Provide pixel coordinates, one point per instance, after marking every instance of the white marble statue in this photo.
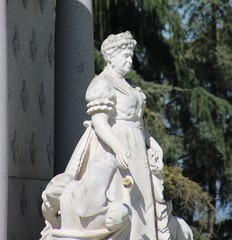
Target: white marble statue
(112, 187)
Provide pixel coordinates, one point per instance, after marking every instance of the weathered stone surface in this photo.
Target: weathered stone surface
(30, 112)
(3, 121)
(24, 208)
(112, 187)
(30, 26)
(74, 71)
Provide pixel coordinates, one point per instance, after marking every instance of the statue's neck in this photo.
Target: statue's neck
(109, 69)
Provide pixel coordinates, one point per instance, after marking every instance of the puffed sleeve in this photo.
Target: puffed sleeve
(100, 96)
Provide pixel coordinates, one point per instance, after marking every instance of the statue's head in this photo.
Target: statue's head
(117, 50)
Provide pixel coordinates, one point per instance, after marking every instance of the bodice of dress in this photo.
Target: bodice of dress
(111, 93)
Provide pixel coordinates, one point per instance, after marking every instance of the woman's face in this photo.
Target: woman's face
(121, 62)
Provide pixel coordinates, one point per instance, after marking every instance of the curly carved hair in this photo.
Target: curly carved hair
(117, 42)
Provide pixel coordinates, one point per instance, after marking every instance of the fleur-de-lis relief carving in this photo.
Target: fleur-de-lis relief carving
(42, 4)
(24, 96)
(40, 201)
(33, 46)
(42, 99)
(23, 200)
(32, 149)
(50, 151)
(14, 148)
(50, 50)
(25, 3)
(15, 43)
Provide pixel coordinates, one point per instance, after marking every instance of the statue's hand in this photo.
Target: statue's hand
(155, 158)
(122, 157)
(153, 144)
(156, 147)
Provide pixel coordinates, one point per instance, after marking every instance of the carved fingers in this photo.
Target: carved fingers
(122, 158)
(155, 158)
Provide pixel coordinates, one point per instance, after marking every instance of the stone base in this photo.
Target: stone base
(65, 234)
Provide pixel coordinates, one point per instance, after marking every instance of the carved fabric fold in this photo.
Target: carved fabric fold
(102, 105)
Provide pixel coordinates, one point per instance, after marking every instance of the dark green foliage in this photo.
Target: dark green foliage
(195, 199)
(183, 63)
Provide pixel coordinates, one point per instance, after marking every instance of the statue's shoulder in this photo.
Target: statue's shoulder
(100, 87)
(101, 79)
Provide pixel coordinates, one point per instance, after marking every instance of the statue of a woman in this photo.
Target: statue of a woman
(89, 200)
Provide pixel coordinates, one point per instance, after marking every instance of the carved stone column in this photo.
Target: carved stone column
(73, 71)
(3, 122)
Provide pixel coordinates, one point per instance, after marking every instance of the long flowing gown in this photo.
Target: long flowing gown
(124, 105)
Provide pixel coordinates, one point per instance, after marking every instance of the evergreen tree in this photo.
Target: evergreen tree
(208, 52)
(183, 64)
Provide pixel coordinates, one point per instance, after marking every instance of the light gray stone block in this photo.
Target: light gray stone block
(30, 99)
(30, 27)
(25, 219)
